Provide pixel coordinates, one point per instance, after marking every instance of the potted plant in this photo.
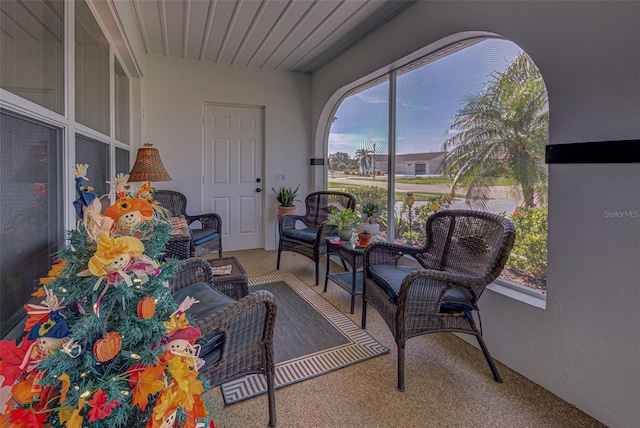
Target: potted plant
(286, 196)
(370, 212)
(364, 238)
(344, 219)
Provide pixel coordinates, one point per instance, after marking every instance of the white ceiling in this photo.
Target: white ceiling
(293, 35)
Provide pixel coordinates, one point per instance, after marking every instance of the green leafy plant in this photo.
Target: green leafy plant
(529, 253)
(343, 219)
(370, 211)
(286, 196)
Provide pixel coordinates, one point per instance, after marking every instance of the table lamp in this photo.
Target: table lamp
(148, 167)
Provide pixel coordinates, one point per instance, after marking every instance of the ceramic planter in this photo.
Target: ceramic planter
(372, 228)
(282, 210)
(345, 234)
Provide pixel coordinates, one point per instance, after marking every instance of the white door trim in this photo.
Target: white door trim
(262, 160)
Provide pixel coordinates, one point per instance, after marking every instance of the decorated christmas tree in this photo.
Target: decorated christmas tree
(107, 346)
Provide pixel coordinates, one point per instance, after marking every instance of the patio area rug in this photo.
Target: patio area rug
(312, 337)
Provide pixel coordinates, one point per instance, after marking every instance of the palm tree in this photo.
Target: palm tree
(501, 131)
(363, 157)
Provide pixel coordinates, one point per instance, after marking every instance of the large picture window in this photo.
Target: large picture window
(92, 71)
(32, 46)
(31, 212)
(40, 41)
(471, 126)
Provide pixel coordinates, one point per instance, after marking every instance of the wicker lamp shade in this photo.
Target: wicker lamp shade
(148, 166)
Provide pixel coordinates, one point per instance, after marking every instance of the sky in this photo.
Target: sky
(427, 99)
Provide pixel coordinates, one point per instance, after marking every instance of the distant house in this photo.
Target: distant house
(412, 163)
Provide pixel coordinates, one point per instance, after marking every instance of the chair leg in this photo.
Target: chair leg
(273, 420)
(363, 323)
(278, 265)
(485, 351)
(317, 270)
(401, 367)
(220, 252)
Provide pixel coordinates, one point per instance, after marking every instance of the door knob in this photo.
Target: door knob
(258, 180)
(258, 190)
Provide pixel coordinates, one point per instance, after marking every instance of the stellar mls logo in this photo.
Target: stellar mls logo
(622, 214)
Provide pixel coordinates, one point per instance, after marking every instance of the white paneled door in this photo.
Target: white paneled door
(233, 173)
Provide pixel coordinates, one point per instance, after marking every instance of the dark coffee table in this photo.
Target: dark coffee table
(234, 285)
(350, 254)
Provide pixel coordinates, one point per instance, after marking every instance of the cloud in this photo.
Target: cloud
(350, 142)
(373, 98)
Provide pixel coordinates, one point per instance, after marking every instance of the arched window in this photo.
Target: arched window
(469, 126)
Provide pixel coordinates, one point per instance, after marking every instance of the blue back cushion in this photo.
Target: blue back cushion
(200, 236)
(389, 278)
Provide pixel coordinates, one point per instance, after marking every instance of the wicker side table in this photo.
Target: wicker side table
(234, 285)
(351, 254)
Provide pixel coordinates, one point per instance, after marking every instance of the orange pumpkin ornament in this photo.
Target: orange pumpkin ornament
(108, 347)
(146, 308)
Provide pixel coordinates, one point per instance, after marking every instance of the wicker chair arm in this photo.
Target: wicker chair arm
(423, 289)
(288, 221)
(245, 323)
(386, 253)
(209, 221)
(193, 270)
(324, 231)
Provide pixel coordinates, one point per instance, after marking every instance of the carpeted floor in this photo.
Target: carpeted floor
(448, 381)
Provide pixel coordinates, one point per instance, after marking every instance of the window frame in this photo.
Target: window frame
(66, 121)
(422, 57)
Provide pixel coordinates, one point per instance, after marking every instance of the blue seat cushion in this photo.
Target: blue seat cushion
(308, 234)
(389, 278)
(200, 236)
(210, 301)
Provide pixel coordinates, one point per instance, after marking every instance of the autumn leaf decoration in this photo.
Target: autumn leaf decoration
(148, 381)
(101, 407)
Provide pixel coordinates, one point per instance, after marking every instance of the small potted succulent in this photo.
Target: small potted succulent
(286, 196)
(370, 212)
(344, 219)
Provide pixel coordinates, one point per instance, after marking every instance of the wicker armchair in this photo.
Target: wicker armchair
(310, 241)
(464, 252)
(204, 240)
(237, 335)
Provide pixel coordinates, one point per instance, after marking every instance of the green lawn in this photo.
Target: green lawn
(425, 180)
(399, 196)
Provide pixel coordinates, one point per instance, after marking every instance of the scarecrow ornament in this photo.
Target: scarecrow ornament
(181, 337)
(86, 195)
(114, 259)
(51, 333)
(130, 215)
